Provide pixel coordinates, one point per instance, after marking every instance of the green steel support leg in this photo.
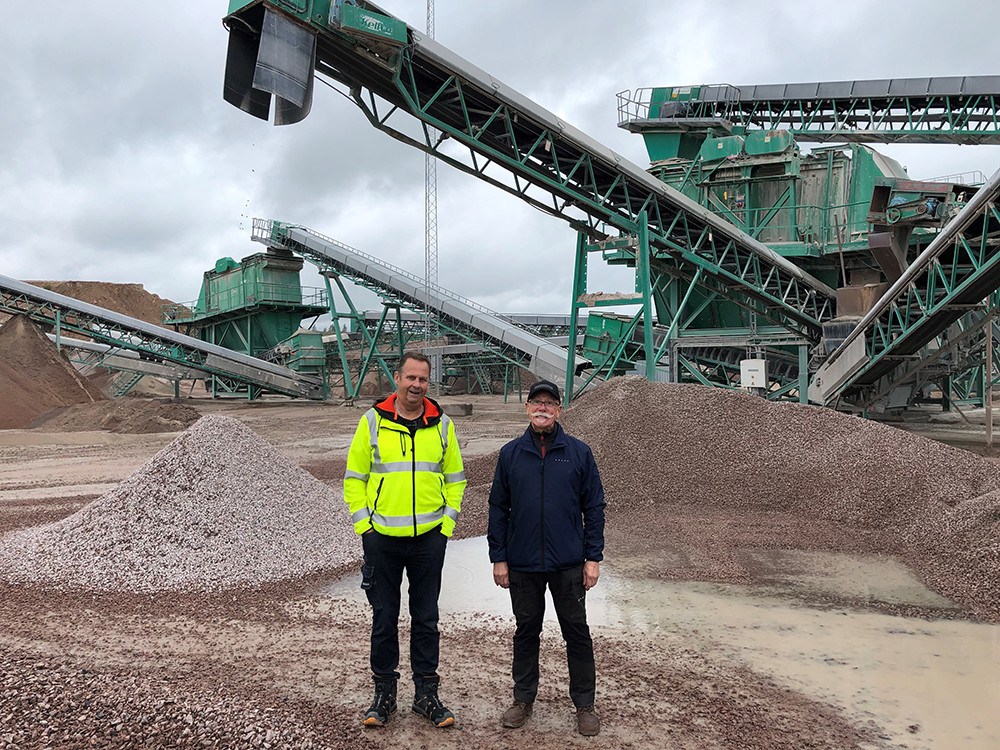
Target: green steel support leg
(520, 395)
(803, 374)
(506, 378)
(59, 331)
(364, 332)
(946, 393)
(647, 296)
(672, 331)
(373, 351)
(579, 288)
(177, 389)
(399, 332)
(348, 387)
(826, 211)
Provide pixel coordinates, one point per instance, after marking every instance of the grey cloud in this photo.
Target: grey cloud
(120, 160)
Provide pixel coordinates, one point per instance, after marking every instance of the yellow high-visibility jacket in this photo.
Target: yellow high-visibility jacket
(404, 484)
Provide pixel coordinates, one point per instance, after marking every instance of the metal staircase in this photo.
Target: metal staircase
(123, 382)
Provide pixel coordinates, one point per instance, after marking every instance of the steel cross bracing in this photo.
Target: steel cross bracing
(455, 314)
(231, 369)
(720, 366)
(493, 132)
(960, 110)
(956, 355)
(958, 272)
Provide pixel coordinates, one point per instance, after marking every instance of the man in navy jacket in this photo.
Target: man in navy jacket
(547, 529)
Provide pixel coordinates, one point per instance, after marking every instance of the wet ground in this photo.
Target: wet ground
(808, 649)
(928, 683)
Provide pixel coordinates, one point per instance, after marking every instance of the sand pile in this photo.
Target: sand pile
(134, 416)
(34, 377)
(218, 508)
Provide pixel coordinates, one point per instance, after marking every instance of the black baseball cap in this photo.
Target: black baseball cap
(546, 386)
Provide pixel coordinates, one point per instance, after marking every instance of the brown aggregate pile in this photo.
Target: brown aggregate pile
(35, 377)
(218, 508)
(134, 416)
(714, 470)
(684, 445)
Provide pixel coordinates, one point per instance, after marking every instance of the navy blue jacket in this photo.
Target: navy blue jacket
(546, 515)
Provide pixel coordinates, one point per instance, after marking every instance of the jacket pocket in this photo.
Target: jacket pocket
(369, 587)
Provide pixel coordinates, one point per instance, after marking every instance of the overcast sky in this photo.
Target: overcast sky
(120, 161)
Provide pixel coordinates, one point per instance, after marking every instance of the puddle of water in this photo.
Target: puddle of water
(870, 578)
(940, 677)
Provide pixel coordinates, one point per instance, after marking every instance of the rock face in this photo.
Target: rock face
(218, 508)
(34, 377)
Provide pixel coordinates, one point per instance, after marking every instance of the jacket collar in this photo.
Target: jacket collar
(432, 411)
(558, 439)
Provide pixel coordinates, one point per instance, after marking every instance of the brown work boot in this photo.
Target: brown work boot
(587, 722)
(517, 715)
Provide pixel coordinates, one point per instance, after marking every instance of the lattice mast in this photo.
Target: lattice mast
(431, 224)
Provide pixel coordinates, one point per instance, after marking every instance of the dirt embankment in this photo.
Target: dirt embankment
(130, 416)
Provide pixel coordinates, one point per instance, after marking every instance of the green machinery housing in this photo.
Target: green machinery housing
(744, 246)
(257, 307)
(843, 212)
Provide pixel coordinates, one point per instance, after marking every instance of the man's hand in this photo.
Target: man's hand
(591, 572)
(501, 576)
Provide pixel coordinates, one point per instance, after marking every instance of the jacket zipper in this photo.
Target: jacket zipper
(541, 511)
(413, 474)
(378, 491)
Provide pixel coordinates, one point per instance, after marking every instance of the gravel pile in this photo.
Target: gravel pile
(660, 445)
(687, 444)
(218, 508)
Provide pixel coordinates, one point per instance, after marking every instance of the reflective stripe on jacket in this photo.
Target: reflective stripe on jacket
(402, 484)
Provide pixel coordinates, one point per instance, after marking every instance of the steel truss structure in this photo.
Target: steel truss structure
(231, 371)
(496, 134)
(424, 95)
(960, 110)
(457, 316)
(958, 273)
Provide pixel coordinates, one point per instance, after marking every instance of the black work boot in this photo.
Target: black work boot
(426, 703)
(384, 704)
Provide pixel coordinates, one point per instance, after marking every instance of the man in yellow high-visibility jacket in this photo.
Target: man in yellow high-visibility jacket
(404, 485)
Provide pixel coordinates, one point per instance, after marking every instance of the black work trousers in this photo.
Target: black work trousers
(527, 598)
(386, 557)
